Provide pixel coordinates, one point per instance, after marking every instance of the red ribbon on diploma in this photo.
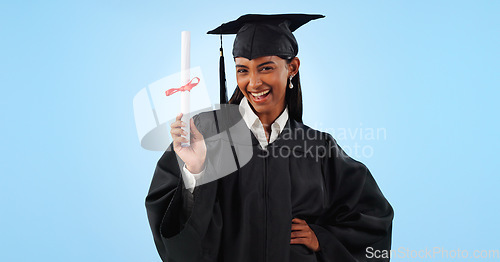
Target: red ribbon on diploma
(186, 87)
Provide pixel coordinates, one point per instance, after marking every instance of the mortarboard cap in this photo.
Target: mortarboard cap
(261, 35)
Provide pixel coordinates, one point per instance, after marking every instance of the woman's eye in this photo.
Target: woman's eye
(267, 68)
(241, 71)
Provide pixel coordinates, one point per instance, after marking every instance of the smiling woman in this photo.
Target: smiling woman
(263, 81)
(290, 75)
(287, 196)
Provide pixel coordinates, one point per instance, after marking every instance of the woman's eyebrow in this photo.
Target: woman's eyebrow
(265, 63)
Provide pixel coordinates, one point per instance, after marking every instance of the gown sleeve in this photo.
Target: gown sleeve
(186, 226)
(358, 215)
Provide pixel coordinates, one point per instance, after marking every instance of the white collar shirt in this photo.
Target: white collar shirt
(254, 124)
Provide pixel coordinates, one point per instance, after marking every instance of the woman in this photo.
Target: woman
(289, 193)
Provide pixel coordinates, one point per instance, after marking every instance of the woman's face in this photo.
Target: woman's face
(263, 81)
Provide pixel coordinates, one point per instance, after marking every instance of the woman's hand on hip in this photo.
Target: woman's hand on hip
(303, 234)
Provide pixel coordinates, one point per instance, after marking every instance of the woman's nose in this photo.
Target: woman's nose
(254, 81)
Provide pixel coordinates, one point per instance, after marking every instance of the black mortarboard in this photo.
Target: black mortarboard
(261, 35)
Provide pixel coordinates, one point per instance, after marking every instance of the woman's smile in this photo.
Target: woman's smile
(260, 97)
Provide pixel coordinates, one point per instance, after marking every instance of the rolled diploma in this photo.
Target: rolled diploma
(185, 76)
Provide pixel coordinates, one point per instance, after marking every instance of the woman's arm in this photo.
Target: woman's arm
(185, 225)
(358, 215)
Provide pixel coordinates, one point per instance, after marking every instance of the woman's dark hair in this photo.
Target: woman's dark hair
(293, 97)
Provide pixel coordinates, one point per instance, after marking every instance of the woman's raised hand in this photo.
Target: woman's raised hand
(194, 156)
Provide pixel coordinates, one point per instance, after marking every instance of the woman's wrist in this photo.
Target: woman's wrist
(195, 169)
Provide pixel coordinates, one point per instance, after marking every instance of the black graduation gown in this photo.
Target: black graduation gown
(246, 215)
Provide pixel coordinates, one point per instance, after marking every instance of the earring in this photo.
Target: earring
(291, 85)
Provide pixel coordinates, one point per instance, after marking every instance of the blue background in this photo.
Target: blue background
(73, 174)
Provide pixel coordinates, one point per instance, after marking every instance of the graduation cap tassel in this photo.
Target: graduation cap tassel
(222, 76)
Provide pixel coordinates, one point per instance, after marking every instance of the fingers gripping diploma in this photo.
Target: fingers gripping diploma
(303, 234)
(193, 156)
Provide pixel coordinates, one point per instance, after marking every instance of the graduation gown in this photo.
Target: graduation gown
(246, 215)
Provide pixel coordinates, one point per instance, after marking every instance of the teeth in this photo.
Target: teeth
(260, 94)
